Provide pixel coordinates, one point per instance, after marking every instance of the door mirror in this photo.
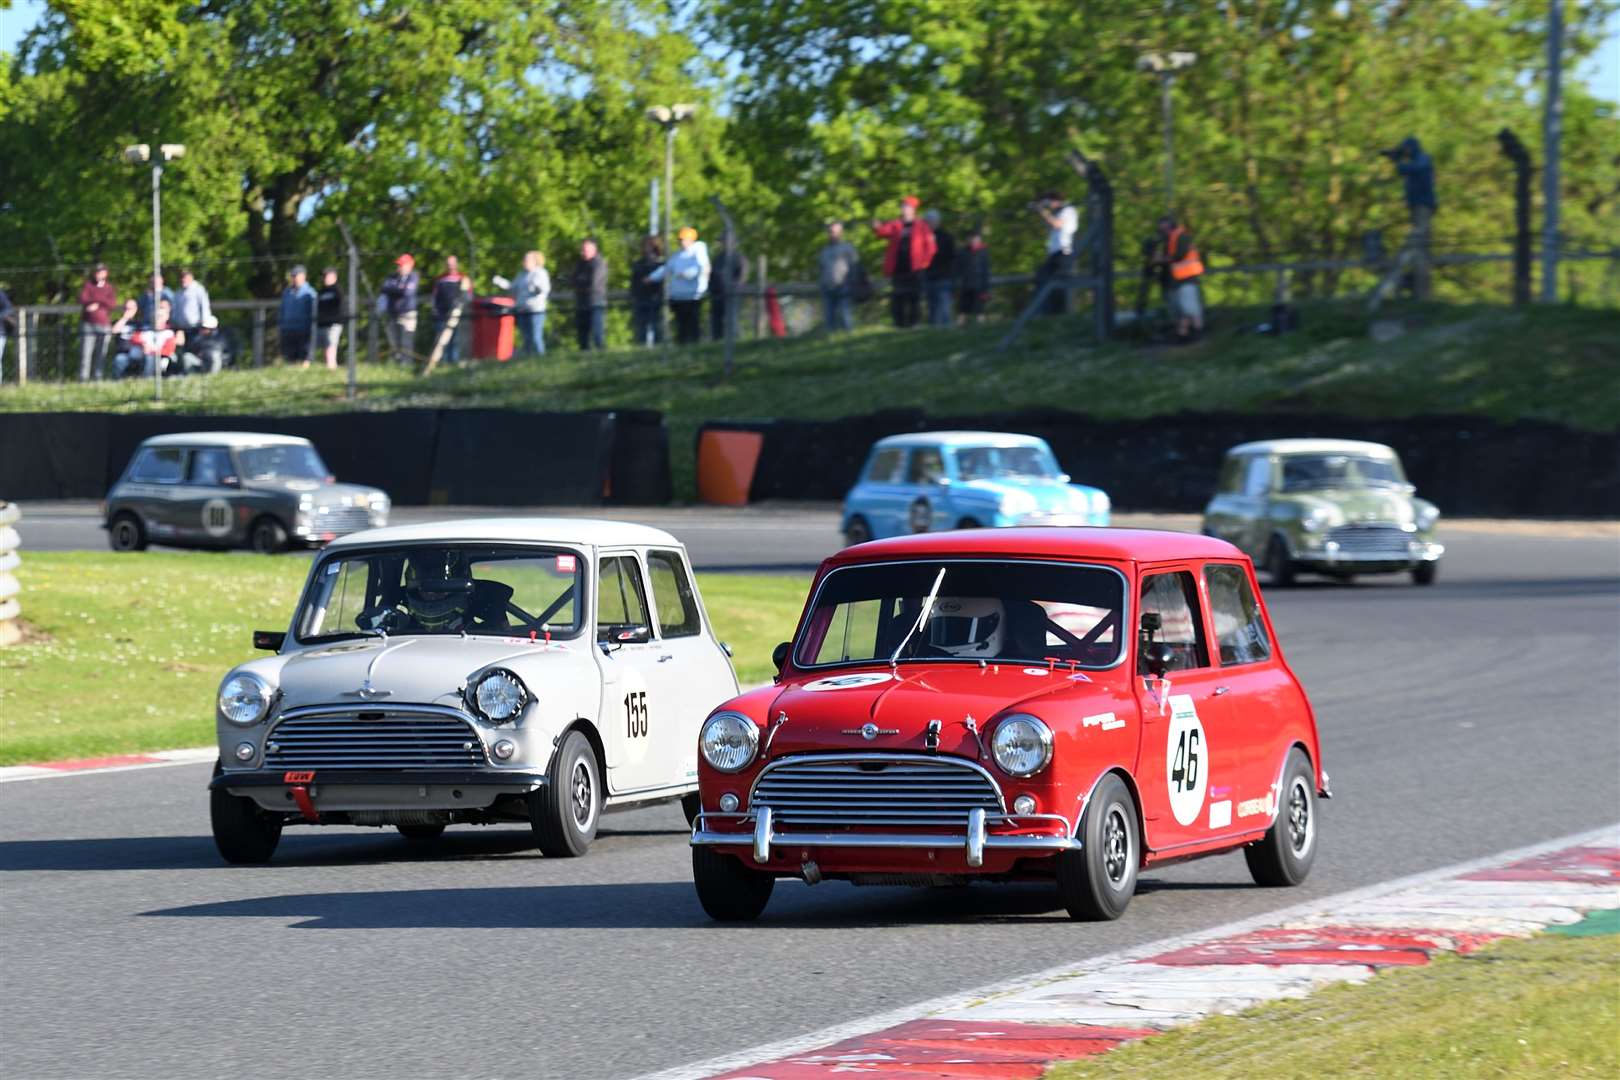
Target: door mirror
(230, 481)
(625, 634)
(269, 640)
(779, 655)
(1158, 657)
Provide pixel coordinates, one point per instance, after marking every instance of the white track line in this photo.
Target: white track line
(840, 1032)
(12, 774)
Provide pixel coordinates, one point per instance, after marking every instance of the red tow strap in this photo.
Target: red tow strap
(298, 784)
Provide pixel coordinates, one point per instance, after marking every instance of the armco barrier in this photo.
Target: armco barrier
(418, 456)
(1467, 465)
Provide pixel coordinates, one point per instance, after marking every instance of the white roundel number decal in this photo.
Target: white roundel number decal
(216, 517)
(1186, 758)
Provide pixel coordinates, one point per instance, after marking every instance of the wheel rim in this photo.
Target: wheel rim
(261, 539)
(1116, 846)
(1301, 822)
(582, 795)
(124, 533)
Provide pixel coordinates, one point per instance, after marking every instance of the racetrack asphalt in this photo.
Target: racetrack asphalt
(1457, 721)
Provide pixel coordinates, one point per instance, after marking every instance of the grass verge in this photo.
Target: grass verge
(1543, 1006)
(1545, 363)
(125, 652)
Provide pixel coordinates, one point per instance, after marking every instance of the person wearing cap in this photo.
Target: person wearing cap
(688, 272)
(329, 316)
(295, 322)
(911, 249)
(398, 303)
(98, 302)
(589, 282)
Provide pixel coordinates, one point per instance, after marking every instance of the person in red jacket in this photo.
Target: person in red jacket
(911, 249)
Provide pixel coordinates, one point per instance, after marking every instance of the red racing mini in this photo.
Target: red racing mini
(1072, 704)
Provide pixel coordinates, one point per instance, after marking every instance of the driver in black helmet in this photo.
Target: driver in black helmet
(438, 591)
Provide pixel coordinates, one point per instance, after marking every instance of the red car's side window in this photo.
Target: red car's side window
(1174, 598)
(1240, 632)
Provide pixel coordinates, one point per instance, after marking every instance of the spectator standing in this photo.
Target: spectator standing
(295, 322)
(398, 303)
(191, 307)
(590, 295)
(838, 265)
(329, 316)
(531, 292)
(911, 249)
(1416, 169)
(646, 295)
(688, 271)
(7, 318)
(1184, 266)
(98, 301)
(451, 292)
(940, 277)
(143, 305)
(975, 281)
(729, 270)
(1062, 222)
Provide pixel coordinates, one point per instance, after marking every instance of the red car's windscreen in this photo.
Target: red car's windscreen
(997, 611)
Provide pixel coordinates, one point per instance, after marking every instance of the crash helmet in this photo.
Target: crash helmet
(438, 588)
(967, 626)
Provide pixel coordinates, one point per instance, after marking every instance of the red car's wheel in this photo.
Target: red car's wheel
(728, 890)
(1098, 881)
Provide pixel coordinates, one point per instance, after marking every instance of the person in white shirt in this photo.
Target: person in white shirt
(531, 290)
(1062, 221)
(688, 271)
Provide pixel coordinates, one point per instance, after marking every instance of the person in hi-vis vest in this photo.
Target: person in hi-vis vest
(1184, 268)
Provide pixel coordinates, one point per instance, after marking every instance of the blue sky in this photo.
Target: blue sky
(1602, 70)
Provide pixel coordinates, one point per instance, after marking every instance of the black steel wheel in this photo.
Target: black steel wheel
(1424, 573)
(857, 532)
(126, 533)
(1279, 567)
(564, 813)
(243, 833)
(1097, 882)
(1285, 854)
(268, 536)
(728, 890)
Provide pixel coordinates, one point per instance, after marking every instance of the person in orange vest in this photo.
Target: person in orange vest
(1183, 268)
(911, 250)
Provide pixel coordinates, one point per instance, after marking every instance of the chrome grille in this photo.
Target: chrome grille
(373, 739)
(340, 519)
(1388, 541)
(874, 789)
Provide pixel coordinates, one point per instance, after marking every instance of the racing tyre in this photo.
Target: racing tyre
(857, 532)
(728, 890)
(920, 516)
(268, 536)
(565, 812)
(691, 806)
(1097, 882)
(1279, 567)
(1284, 855)
(243, 833)
(1424, 573)
(420, 835)
(126, 533)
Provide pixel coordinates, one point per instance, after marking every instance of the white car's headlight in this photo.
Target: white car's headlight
(498, 696)
(1317, 518)
(244, 698)
(1426, 514)
(729, 741)
(1099, 502)
(1019, 502)
(1022, 745)
(379, 505)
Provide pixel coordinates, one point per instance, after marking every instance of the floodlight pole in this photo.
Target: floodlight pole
(157, 263)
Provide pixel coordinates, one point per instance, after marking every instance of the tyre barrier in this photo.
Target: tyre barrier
(10, 606)
(1468, 466)
(419, 456)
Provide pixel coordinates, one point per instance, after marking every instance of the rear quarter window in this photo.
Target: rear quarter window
(159, 465)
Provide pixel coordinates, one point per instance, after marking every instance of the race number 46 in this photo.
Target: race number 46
(635, 714)
(1186, 757)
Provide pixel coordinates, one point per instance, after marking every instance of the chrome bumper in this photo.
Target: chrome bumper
(1331, 555)
(973, 841)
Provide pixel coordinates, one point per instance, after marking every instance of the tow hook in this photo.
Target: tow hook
(298, 784)
(810, 872)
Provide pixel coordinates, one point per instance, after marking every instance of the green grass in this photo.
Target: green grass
(125, 652)
(1547, 363)
(1545, 1006)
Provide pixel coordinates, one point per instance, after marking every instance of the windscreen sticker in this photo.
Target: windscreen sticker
(1037, 671)
(1186, 755)
(848, 682)
(565, 564)
(333, 567)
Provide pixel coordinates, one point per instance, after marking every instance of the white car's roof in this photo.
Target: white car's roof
(1313, 446)
(961, 438)
(225, 438)
(572, 532)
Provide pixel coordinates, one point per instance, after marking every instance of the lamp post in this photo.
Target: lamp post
(141, 154)
(669, 117)
(1165, 66)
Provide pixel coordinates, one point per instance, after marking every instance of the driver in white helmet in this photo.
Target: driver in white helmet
(971, 627)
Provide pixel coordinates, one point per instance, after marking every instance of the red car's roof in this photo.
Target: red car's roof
(1067, 542)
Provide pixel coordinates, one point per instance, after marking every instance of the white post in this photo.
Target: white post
(1552, 130)
(22, 346)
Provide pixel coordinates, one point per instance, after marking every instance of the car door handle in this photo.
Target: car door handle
(666, 656)
(1219, 690)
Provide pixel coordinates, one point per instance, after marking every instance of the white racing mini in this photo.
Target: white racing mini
(479, 671)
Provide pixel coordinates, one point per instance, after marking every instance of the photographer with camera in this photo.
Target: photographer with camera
(1416, 170)
(1062, 221)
